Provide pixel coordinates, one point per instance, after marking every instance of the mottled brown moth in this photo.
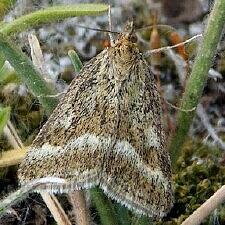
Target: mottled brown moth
(107, 131)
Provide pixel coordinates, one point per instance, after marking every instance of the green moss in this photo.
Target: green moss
(200, 174)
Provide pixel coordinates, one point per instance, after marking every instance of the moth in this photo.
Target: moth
(107, 131)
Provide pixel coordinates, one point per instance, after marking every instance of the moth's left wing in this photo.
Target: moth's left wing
(69, 144)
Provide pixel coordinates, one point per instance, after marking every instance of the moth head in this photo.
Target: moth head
(128, 37)
(125, 50)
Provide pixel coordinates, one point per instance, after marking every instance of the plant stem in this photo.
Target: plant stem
(198, 77)
(51, 14)
(12, 137)
(55, 208)
(201, 213)
(104, 206)
(77, 199)
(122, 214)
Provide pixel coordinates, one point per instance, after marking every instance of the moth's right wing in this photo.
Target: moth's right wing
(69, 145)
(137, 169)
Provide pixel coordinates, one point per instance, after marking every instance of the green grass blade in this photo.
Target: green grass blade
(77, 64)
(105, 207)
(51, 14)
(122, 214)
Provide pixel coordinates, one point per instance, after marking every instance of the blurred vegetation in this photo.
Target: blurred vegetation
(200, 169)
(5, 6)
(4, 116)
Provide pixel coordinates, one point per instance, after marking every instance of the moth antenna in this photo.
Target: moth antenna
(96, 29)
(130, 28)
(112, 41)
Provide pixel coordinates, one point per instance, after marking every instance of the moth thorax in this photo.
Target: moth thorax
(123, 57)
(125, 53)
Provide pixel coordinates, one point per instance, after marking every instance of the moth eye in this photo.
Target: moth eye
(133, 38)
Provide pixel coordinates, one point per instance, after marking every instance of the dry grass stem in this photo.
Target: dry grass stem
(55, 209)
(12, 157)
(206, 208)
(10, 133)
(148, 53)
(77, 199)
(110, 26)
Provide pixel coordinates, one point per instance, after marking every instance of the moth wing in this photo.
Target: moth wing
(68, 145)
(137, 170)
